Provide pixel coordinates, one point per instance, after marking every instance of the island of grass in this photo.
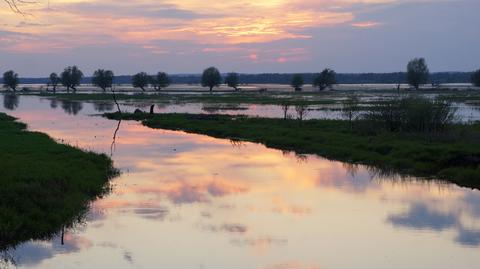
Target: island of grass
(453, 156)
(44, 186)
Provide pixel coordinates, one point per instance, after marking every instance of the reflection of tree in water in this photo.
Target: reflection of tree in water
(103, 106)
(71, 107)
(114, 140)
(237, 143)
(301, 158)
(10, 101)
(53, 103)
(210, 109)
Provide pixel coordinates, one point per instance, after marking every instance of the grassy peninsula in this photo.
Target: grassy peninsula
(452, 156)
(44, 185)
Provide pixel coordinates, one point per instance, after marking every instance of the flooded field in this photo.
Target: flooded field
(191, 201)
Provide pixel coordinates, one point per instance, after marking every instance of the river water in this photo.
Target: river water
(190, 201)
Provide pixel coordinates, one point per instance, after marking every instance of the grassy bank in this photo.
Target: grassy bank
(44, 185)
(453, 156)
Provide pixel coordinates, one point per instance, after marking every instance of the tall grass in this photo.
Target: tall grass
(412, 114)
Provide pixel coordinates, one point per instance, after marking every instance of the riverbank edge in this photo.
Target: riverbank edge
(453, 160)
(45, 186)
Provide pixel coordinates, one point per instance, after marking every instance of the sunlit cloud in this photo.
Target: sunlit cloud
(365, 24)
(66, 24)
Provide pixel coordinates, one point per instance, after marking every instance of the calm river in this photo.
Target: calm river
(188, 201)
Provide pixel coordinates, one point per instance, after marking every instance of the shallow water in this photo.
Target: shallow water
(191, 201)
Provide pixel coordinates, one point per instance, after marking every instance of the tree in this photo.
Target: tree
(476, 78)
(325, 79)
(232, 80)
(351, 109)
(211, 78)
(285, 106)
(54, 80)
(302, 111)
(297, 82)
(10, 80)
(417, 72)
(71, 77)
(161, 80)
(103, 79)
(140, 80)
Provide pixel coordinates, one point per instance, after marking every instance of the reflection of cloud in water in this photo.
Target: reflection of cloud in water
(185, 192)
(293, 265)
(152, 213)
(34, 252)
(226, 227)
(420, 216)
(260, 242)
(468, 237)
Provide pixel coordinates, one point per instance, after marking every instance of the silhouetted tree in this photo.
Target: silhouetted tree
(140, 80)
(54, 79)
(232, 80)
(71, 77)
(285, 106)
(302, 111)
(10, 80)
(325, 79)
(211, 78)
(103, 79)
(297, 82)
(160, 81)
(476, 78)
(417, 72)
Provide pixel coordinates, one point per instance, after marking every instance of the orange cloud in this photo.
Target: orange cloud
(72, 23)
(365, 24)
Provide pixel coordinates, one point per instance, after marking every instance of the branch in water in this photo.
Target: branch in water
(14, 5)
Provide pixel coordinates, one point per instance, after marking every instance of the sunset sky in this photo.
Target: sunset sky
(185, 36)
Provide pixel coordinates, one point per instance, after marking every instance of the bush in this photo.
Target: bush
(412, 114)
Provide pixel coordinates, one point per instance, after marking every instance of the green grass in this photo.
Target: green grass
(454, 156)
(44, 185)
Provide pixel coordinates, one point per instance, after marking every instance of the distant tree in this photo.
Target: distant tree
(54, 80)
(285, 106)
(103, 79)
(351, 109)
(232, 80)
(211, 78)
(417, 72)
(140, 80)
(302, 111)
(10, 80)
(160, 81)
(71, 77)
(297, 82)
(325, 79)
(476, 78)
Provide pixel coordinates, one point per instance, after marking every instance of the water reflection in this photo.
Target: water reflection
(103, 106)
(191, 195)
(10, 101)
(71, 107)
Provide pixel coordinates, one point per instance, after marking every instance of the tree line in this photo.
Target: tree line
(417, 74)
